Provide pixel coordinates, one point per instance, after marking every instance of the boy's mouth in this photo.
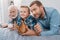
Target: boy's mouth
(13, 15)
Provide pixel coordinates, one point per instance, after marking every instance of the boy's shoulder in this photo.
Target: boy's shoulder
(31, 21)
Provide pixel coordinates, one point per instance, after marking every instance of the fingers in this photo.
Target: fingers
(11, 27)
(37, 28)
(4, 25)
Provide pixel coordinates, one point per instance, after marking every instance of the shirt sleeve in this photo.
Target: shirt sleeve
(54, 24)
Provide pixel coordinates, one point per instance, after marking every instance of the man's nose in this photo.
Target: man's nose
(34, 12)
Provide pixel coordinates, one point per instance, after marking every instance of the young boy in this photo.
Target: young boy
(27, 19)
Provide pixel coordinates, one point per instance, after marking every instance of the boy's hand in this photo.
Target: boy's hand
(29, 32)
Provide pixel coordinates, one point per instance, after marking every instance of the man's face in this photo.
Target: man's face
(36, 11)
(13, 12)
(24, 12)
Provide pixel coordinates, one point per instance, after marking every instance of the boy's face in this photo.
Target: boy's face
(24, 13)
(13, 12)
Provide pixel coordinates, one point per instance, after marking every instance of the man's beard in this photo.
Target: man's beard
(38, 15)
(14, 16)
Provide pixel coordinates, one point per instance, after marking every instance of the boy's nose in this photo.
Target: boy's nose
(22, 14)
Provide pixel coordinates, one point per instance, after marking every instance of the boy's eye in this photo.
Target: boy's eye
(21, 11)
(24, 11)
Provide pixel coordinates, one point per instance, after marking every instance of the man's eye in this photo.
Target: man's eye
(10, 12)
(13, 11)
(34, 9)
(24, 11)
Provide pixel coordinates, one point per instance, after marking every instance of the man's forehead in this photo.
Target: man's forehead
(33, 6)
(12, 9)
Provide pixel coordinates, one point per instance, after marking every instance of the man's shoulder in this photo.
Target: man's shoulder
(50, 9)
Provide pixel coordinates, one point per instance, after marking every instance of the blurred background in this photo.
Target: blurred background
(4, 4)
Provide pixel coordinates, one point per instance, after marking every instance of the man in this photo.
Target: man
(13, 12)
(13, 16)
(47, 18)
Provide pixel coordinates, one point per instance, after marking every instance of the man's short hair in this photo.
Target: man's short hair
(26, 7)
(36, 2)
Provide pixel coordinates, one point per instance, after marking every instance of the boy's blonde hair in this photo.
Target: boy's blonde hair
(26, 7)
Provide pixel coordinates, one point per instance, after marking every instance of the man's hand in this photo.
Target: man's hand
(4, 25)
(11, 27)
(37, 28)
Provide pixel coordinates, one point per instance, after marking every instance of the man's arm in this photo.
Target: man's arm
(54, 24)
